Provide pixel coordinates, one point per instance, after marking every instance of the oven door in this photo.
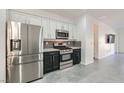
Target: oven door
(66, 57)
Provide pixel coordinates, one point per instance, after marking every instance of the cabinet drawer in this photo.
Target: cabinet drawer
(52, 53)
(77, 50)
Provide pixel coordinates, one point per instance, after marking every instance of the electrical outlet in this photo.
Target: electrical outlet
(47, 43)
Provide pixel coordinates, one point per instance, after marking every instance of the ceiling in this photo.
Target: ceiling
(112, 17)
(70, 13)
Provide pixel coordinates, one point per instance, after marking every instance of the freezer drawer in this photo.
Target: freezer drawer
(16, 60)
(24, 72)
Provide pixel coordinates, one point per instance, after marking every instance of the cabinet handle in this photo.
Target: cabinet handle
(51, 53)
(53, 58)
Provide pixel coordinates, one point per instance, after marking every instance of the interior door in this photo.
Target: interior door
(34, 39)
(95, 38)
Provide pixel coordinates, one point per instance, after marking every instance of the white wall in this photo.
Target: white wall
(90, 40)
(120, 40)
(81, 28)
(95, 38)
(85, 25)
(105, 49)
(2, 45)
(85, 35)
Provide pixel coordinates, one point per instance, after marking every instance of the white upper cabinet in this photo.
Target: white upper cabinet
(34, 20)
(75, 32)
(25, 18)
(58, 25)
(70, 31)
(53, 27)
(65, 26)
(62, 25)
(49, 28)
(45, 24)
(18, 17)
(49, 25)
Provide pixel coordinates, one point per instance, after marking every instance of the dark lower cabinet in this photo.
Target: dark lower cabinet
(47, 65)
(56, 62)
(76, 56)
(51, 61)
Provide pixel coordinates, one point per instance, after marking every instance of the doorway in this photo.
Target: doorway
(95, 40)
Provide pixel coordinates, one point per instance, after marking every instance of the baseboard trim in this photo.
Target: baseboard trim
(83, 63)
(105, 56)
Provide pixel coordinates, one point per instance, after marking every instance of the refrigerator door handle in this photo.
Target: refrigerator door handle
(42, 39)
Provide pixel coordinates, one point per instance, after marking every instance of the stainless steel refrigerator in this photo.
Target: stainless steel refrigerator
(24, 52)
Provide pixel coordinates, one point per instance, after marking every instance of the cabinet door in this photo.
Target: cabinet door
(47, 63)
(46, 26)
(58, 25)
(34, 20)
(75, 32)
(76, 56)
(71, 31)
(18, 17)
(52, 31)
(56, 62)
(65, 26)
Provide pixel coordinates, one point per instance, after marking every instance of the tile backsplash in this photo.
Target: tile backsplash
(49, 44)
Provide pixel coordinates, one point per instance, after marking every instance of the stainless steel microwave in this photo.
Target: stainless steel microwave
(62, 34)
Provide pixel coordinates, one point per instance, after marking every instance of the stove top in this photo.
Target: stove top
(64, 49)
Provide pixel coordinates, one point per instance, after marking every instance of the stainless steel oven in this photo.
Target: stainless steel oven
(62, 34)
(65, 57)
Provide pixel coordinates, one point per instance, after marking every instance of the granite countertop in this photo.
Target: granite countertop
(75, 47)
(50, 49)
(53, 49)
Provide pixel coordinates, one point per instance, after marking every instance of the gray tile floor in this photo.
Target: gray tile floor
(107, 70)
